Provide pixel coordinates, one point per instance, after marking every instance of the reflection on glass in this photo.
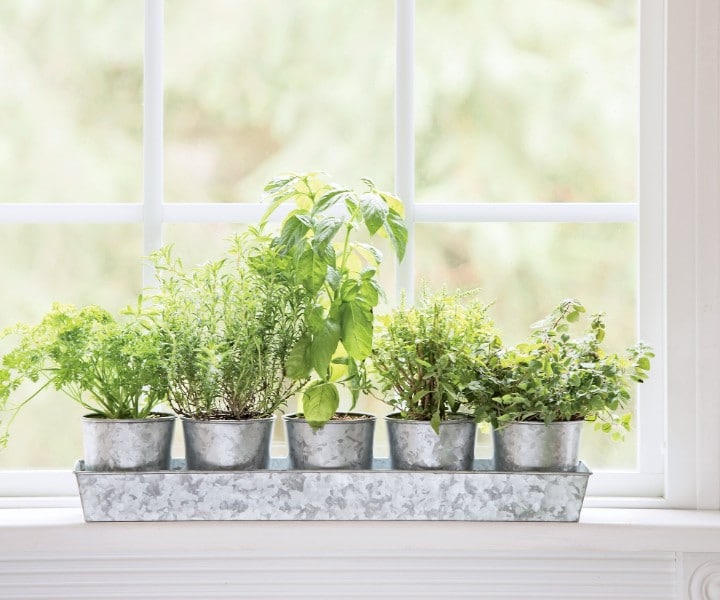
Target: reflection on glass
(72, 101)
(265, 88)
(526, 269)
(526, 101)
(77, 264)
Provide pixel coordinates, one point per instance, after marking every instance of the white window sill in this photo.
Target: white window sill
(599, 529)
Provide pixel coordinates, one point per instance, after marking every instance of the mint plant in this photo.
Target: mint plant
(319, 239)
(557, 377)
(427, 356)
(227, 328)
(111, 368)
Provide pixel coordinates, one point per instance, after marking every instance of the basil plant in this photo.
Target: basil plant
(321, 238)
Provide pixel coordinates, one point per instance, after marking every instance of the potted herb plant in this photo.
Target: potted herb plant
(426, 358)
(227, 328)
(111, 368)
(547, 387)
(320, 237)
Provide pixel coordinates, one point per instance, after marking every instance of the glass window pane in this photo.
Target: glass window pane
(526, 101)
(75, 264)
(72, 114)
(527, 269)
(265, 88)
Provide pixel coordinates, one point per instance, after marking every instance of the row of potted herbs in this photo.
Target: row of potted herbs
(291, 313)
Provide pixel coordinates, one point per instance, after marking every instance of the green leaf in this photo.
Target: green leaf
(369, 252)
(316, 318)
(323, 346)
(374, 211)
(294, 229)
(299, 363)
(397, 233)
(356, 330)
(320, 402)
(368, 294)
(573, 316)
(327, 254)
(328, 199)
(333, 278)
(353, 378)
(393, 202)
(644, 363)
(278, 183)
(312, 270)
(435, 422)
(326, 230)
(349, 290)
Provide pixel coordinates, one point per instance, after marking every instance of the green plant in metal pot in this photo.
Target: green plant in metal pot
(110, 367)
(226, 331)
(426, 358)
(320, 237)
(555, 378)
(227, 328)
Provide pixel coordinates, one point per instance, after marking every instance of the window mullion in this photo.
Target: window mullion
(405, 134)
(532, 212)
(152, 133)
(76, 212)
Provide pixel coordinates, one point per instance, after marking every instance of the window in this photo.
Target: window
(446, 101)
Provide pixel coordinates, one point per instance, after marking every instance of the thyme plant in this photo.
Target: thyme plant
(557, 377)
(427, 356)
(319, 239)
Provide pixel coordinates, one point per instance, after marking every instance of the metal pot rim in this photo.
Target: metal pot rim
(541, 423)
(159, 418)
(457, 419)
(364, 418)
(185, 419)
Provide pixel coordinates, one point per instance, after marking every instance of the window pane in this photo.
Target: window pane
(526, 269)
(72, 101)
(267, 87)
(71, 264)
(526, 101)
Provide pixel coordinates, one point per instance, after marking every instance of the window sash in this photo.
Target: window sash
(648, 213)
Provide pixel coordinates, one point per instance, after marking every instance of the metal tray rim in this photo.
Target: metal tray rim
(380, 465)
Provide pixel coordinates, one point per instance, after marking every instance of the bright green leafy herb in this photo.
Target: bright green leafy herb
(427, 357)
(227, 330)
(112, 368)
(556, 377)
(318, 238)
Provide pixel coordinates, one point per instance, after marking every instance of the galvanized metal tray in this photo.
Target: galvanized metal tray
(378, 494)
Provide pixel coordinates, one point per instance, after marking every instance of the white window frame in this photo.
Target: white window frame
(676, 213)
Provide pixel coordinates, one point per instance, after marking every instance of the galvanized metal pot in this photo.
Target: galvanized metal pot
(531, 446)
(225, 445)
(415, 445)
(339, 444)
(127, 444)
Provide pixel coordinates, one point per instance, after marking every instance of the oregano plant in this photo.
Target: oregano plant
(555, 376)
(319, 236)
